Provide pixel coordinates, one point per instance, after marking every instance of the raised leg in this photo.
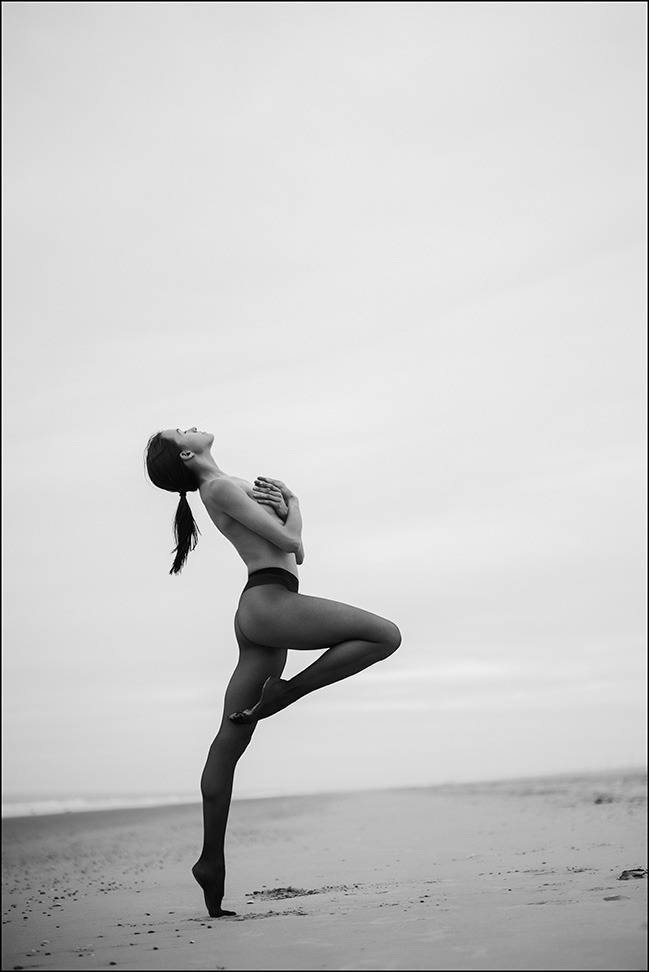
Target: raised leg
(255, 666)
(357, 638)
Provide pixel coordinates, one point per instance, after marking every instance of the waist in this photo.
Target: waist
(273, 575)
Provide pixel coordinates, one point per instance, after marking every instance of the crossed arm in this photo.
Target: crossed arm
(269, 493)
(284, 532)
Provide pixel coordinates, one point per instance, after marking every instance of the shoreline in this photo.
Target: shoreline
(48, 805)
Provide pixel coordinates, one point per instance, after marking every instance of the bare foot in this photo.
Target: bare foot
(212, 881)
(274, 697)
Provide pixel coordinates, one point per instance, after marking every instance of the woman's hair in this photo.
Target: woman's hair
(167, 471)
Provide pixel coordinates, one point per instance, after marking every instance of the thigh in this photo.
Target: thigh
(281, 619)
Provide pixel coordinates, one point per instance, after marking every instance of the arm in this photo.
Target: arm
(286, 505)
(232, 500)
(266, 493)
(299, 556)
(294, 522)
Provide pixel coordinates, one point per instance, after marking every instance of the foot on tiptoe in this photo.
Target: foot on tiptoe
(212, 881)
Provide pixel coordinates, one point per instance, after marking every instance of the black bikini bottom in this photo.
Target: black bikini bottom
(273, 575)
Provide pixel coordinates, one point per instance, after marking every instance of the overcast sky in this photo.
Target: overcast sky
(392, 253)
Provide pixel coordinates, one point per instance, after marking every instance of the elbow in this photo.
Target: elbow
(293, 546)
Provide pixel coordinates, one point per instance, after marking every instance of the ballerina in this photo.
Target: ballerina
(264, 524)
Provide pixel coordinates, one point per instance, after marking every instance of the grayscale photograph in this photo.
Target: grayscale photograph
(324, 483)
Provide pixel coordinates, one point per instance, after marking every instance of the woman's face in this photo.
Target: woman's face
(190, 440)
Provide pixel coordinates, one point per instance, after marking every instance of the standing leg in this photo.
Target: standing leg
(255, 666)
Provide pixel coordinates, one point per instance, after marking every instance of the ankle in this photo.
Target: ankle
(211, 865)
(292, 691)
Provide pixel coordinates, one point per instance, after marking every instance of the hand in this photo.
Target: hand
(268, 494)
(287, 493)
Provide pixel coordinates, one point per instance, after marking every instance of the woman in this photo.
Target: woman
(264, 524)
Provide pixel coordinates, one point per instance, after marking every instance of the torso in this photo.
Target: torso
(255, 551)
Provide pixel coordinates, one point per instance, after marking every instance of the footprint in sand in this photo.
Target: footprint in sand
(290, 892)
(268, 914)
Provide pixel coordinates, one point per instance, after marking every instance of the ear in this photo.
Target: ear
(186, 455)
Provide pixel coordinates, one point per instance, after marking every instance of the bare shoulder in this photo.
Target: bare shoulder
(218, 489)
(223, 492)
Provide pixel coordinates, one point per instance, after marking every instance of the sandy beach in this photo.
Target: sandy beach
(518, 875)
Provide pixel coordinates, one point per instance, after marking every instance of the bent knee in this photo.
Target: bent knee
(391, 638)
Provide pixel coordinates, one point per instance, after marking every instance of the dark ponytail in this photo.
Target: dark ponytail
(185, 534)
(167, 471)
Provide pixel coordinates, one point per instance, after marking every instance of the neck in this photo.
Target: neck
(205, 469)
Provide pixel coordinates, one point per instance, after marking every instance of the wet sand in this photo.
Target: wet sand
(512, 875)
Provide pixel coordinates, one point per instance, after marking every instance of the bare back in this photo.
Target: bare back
(255, 551)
